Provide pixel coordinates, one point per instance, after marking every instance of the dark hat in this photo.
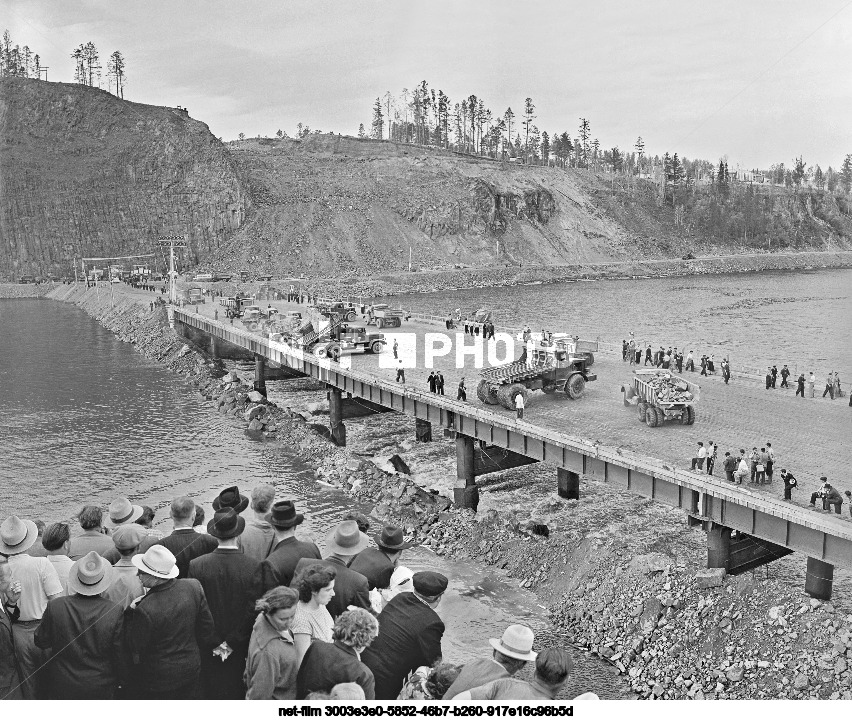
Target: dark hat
(392, 539)
(283, 515)
(429, 583)
(226, 524)
(823, 478)
(231, 498)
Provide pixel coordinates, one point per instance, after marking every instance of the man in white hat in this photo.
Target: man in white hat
(553, 666)
(39, 583)
(124, 513)
(82, 634)
(168, 630)
(511, 653)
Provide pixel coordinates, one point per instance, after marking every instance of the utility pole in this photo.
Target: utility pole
(173, 241)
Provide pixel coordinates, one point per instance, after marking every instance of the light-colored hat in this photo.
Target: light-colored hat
(128, 536)
(400, 579)
(17, 535)
(517, 642)
(123, 511)
(157, 561)
(91, 575)
(346, 539)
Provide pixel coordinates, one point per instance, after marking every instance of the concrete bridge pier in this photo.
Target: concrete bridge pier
(260, 374)
(214, 347)
(465, 492)
(423, 430)
(719, 547)
(335, 416)
(568, 484)
(819, 579)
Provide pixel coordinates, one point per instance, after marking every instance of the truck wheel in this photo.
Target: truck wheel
(690, 410)
(395, 323)
(251, 326)
(334, 352)
(376, 346)
(484, 392)
(321, 352)
(651, 418)
(350, 316)
(590, 359)
(575, 386)
(643, 409)
(380, 322)
(506, 395)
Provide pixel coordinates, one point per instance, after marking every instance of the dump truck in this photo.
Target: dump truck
(337, 309)
(382, 316)
(196, 295)
(236, 305)
(572, 343)
(334, 339)
(550, 368)
(661, 396)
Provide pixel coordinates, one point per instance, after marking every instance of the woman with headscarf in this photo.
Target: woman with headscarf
(272, 661)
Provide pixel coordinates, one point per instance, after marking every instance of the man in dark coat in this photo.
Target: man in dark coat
(278, 568)
(377, 564)
(228, 578)
(410, 634)
(350, 587)
(439, 383)
(185, 543)
(432, 382)
(10, 593)
(82, 634)
(167, 630)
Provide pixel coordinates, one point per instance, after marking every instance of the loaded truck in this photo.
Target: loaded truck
(661, 396)
(337, 309)
(383, 317)
(551, 368)
(334, 339)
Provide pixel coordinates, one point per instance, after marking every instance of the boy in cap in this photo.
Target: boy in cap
(410, 633)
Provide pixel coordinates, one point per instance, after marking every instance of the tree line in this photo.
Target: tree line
(17, 61)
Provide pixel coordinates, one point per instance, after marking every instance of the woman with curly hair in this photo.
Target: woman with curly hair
(312, 621)
(272, 664)
(327, 664)
(429, 683)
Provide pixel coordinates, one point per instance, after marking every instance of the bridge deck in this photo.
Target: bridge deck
(598, 436)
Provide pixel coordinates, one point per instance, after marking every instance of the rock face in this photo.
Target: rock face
(87, 173)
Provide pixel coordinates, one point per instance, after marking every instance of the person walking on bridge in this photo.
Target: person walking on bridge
(631, 350)
(742, 468)
(690, 362)
(439, 383)
(400, 373)
(462, 394)
(648, 355)
(519, 406)
(432, 383)
(811, 384)
(829, 386)
(800, 385)
(785, 374)
(789, 484)
(730, 466)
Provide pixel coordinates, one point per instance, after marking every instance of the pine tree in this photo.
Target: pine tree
(585, 134)
(617, 160)
(545, 147)
(508, 117)
(377, 128)
(280, 133)
(361, 132)
(529, 116)
(819, 178)
(846, 173)
(242, 136)
(115, 69)
(640, 151)
(799, 171)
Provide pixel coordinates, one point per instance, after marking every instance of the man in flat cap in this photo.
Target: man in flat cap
(410, 633)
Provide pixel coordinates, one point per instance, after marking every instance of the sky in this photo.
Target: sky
(758, 82)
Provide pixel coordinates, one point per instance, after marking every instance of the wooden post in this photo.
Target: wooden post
(568, 484)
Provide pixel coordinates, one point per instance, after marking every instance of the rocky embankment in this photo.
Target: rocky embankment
(25, 290)
(623, 577)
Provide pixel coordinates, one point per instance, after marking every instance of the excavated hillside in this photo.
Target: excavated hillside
(85, 174)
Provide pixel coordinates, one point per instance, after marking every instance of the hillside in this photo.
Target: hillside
(85, 173)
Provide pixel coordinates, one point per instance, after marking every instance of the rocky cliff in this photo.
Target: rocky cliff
(85, 174)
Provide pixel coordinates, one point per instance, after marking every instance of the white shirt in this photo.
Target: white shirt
(38, 580)
(519, 401)
(743, 467)
(702, 452)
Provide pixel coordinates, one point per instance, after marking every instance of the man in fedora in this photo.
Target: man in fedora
(183, 542)
(39, 584)
(126, 585)
(230, 498)
(553, 666)
(277, 569)
(258, 540)
(377, 564)
(124, 513)
(410, 633)
(342, 544)
(227, 576)
(511, 653)
(167, 630)
(81, 632)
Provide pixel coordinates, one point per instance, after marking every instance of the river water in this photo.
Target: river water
(801, 318)
(84, 417)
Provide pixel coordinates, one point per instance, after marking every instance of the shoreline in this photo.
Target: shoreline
(620, 576)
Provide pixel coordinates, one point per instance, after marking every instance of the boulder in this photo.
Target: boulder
(801, 682)
(735, 674)
(256, 397)
(710, 577)
(649, 563)
(255, 425)
(253, 413)
(183, 351)
(318, 409)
